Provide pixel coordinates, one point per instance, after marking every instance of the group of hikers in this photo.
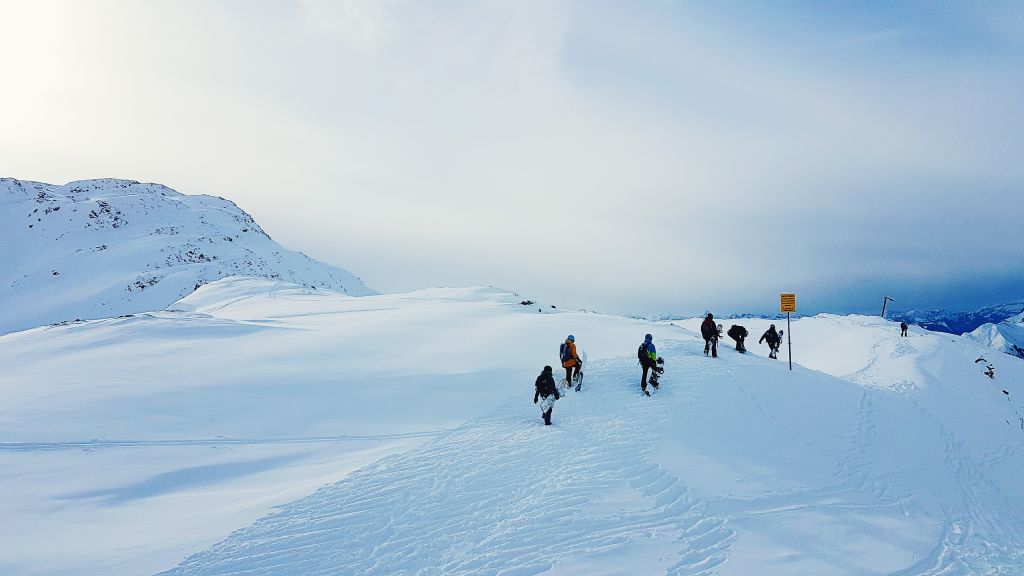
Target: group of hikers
(711, 332)
(547, 390)
(647, 355)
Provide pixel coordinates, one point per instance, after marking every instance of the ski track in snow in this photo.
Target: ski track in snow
(969, 529)
(500, 495)
(966, 544)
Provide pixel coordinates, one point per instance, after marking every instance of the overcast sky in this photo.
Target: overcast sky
(629, 157)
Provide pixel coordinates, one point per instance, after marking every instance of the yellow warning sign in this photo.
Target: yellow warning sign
(788, 302)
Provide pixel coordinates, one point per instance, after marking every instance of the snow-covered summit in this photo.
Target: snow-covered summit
(1006, 336)
(108, 247)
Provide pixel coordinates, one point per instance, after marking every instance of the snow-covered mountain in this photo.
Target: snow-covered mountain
(957, 322)
(300, 431)
(103, 248)
(1006, 336)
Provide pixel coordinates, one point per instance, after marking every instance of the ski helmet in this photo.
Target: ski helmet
(648, 337)
(571, 338)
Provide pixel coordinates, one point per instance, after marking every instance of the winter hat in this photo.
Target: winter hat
(571, 338)
(547, 368)
(648, 337)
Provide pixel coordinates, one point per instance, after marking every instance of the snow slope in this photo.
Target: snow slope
(103, 248)
(1006, 336)
(142, 441)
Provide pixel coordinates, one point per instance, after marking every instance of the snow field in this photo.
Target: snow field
(499, 495)
(412, 414)
(248, 394)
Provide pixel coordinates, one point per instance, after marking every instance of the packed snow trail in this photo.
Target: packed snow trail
(502, 494)
(729, 453)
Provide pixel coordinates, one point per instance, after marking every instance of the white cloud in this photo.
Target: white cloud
(603, 155)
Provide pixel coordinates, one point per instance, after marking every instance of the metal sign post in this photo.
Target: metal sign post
(789, 340)
(788, 304)
(885, 301)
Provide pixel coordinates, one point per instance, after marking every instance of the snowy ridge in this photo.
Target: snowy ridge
(103, 248)
(302, 431)
(1006, 336)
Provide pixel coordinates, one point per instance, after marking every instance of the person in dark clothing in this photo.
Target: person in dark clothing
(738, 333)
(903, 328)
(548, 392)
(710, 333)
(648, 357)
(774, 339)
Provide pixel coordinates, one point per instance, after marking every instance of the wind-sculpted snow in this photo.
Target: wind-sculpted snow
(312, 432)
(104, 248)
(500, 495)
(736, 466)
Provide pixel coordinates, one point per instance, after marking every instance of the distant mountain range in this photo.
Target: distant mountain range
(102, 248)
(958, 322)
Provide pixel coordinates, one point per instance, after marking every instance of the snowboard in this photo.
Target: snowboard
(583, 366)
(546, 403)
(577, 381)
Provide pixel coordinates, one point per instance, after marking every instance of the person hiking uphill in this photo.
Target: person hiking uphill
(738, 333)
(648, 357)
(548, 391)
(710, 333)
(570, 361)
(903, 328)
(774, 339)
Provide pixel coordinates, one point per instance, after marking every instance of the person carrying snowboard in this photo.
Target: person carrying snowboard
(773, 339)
(648, 357)
(710, 333)
(903, 328)
(570, 361)
(547, 393)
(738, 333)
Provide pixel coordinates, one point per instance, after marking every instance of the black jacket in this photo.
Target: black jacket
(546, 386)
(708, 329)
(770, 335)
(737, 332)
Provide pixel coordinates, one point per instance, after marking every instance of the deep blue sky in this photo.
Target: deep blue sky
(659, 157)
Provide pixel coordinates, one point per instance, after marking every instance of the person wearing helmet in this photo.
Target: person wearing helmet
(570, 361)
(710, 333)
(648, 357)
(547, 391)
(774, 339)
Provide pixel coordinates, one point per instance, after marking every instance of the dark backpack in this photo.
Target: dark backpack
(641, 353)
(563, 352)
